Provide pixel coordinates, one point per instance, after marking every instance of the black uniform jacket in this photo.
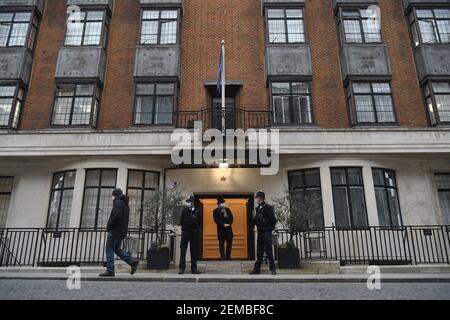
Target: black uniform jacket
(221, 220)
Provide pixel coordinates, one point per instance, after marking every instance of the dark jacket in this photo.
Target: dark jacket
(120, 216)
(190, 220)
(221, 221)
(265, 218)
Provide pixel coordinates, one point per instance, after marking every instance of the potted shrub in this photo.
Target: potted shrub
(296, 213)
(159, 213)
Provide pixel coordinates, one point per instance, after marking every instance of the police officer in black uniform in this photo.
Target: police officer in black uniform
(190, 226)
(265, 221)
(223, 217)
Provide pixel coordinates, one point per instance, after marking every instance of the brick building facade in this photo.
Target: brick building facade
(91, 91)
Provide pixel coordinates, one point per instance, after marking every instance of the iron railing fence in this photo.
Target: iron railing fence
(235, 118)
(373, 245)
(34, 247)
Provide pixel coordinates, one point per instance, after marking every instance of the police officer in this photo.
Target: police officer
(223, 217)
(190, 226)
(265, 221)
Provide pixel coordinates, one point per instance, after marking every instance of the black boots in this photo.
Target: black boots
(107, 274)
(134, 267)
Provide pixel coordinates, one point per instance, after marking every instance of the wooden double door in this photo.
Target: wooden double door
(210, 242)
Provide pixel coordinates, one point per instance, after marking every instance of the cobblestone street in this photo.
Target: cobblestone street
(49, 290)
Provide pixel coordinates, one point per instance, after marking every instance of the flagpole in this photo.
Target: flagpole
(223, 91)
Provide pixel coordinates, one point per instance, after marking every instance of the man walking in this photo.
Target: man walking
(117, 231)
(265, 222)
(223, 217)
(190, 226)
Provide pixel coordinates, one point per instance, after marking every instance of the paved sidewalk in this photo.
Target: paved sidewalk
(89, 275)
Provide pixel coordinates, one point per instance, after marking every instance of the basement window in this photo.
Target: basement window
(6, 186)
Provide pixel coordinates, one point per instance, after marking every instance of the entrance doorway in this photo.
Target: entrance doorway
(242, 239)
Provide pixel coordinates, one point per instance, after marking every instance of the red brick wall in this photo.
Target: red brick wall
(406, 91)
(205, 24)
(39, 101)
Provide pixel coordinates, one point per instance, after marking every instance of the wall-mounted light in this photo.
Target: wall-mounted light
(224, 165)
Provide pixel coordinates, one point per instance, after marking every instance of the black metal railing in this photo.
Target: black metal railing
(234, 118)
(374, 245)
(64, 247)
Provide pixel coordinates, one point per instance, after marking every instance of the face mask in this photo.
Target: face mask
(259, 201)
(190, 205)
(222, 205)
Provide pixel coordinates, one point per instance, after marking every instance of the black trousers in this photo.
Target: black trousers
(264, 246)
(190, 238)
(226, 236)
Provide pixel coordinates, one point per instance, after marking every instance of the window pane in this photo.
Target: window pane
(62, 111)
(352, 31)
(6, 184)
(144, 110)
(427, 31)
(442, 13)
(372, 31)
(443, 184)
(280, 88)
(92, 178)
(5, 111)
(443, 107)
(441, 87)
(18, 34)
(361, 88)
(358, 207)
(4, 32)
(355, 176)
(281, 110)
(145, 89)
(135, 179)
(149, 32)
(302, 110)
(385, 108)
(151, 14)
(151, 180)
(295, 31)
(93, 33)
(164, 110)
(275, 13)
(109, 178)
(381, 88)
(444, 30)
(312, 178)
(89, 208)
(82, 111)
(296, 179)
(165, 88)
(424, 13)
(277, 31)
(341, 207)
(94, 16)
(294, 13)
(169, 32)
(338, 176)
(169, 14)
(364, 109)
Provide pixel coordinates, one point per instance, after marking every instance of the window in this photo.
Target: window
(76, 105)
(90, 30)
(159, 27)
(437, 97)
(360, 27)
(61, 200)
(11, 102)
(154, 104)
(142, 186)
(18, 29)
(371, 103)
(386, 193)
(292, 103)
(286, 25)
(6, 186)
(430, 26)
(443, 184)
(97, 201)
(349, 199)
(306, 196)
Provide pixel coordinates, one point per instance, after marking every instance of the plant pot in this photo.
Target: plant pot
(158, 259)
(288, 258)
